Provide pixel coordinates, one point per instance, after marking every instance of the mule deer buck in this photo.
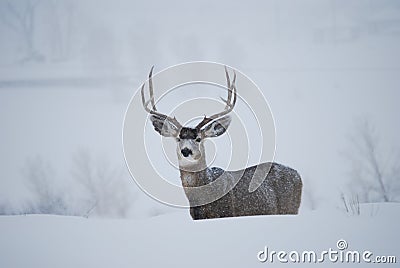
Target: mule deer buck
(281, 186)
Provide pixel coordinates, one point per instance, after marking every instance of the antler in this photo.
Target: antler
(230, 104)
(153, 110)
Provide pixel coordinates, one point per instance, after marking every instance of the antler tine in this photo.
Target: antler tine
(234, 88)
(151, 89)
(145, 103)
(228, 82)
(230, 104)
(230, 90)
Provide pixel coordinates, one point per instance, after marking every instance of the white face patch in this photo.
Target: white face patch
(190, 152)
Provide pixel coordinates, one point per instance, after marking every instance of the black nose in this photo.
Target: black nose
(186, 152)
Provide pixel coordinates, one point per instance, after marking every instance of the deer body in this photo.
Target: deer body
(279, 192)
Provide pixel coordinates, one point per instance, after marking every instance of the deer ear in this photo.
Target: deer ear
(164, 126)
(216, 127)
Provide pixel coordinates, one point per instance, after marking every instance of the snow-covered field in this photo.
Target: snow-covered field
(174, 240)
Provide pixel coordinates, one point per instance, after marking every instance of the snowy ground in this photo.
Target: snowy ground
(174, 240)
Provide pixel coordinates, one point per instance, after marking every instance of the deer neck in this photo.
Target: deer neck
(195, 175)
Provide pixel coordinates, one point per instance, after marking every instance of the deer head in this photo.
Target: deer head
(190, 148)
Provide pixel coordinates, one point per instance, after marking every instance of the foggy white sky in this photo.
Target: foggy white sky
(322, 65)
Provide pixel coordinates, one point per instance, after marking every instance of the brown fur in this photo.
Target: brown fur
(280, 192)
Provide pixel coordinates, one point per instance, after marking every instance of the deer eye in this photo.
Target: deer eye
(198, 139)
(178, 139)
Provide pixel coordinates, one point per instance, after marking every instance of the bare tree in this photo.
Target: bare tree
(3, 209)
(105, 186)
(310, 196)
(19, 16)
(375, 173)
(351, 205)
(63, 13)
(40, 180)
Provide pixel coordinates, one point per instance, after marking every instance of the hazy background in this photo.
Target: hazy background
(329, 69)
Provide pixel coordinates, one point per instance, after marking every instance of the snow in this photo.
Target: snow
(174, 240)
(321, 64)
